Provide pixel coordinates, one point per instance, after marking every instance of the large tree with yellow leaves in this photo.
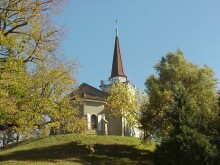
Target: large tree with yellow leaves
(26, 29)
(34, 83)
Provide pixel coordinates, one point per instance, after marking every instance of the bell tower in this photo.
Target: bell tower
(117, 72)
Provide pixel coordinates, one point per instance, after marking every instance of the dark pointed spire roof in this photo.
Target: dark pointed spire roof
(117, 65)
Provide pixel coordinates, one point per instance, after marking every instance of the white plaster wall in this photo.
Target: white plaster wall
(93, 108)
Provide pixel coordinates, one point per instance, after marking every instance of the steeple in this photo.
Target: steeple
(117, 74)
(117, 65)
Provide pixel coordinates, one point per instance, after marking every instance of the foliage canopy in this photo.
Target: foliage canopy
(182, 111)
(121, 102)
(175, 72)
(34, 82)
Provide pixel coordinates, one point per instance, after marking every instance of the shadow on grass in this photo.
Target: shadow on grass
(76, 152)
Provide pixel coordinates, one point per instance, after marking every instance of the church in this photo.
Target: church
(98, 120)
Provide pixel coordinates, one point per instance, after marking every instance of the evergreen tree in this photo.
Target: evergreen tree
(185, 143)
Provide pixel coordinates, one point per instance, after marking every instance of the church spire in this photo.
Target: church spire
(117, 65)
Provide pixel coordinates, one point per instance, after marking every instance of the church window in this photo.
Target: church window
(94, 122)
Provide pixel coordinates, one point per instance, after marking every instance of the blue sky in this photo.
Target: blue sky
(148, 29)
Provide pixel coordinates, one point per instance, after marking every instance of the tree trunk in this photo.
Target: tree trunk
(4, 140)
(17, 138)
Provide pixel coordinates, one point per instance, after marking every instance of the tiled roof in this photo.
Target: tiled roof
(87, 91)
(117, 65)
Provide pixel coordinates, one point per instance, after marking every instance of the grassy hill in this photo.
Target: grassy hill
(78, 149)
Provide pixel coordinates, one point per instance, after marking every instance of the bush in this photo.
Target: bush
(188, 147)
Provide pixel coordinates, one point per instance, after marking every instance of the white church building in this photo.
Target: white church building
(93, 109)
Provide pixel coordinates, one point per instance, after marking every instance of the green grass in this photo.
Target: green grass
(79, 149)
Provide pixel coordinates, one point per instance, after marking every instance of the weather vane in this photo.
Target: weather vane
(116, 22)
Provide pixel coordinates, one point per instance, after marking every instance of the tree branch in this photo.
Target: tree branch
(12, 29)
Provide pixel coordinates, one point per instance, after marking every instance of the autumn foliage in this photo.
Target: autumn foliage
(34, 79)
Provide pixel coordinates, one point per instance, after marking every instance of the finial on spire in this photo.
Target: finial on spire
(116, 22)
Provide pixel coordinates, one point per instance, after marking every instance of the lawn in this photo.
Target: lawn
(78, 149)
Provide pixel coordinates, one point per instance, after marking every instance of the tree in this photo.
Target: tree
(200, 85)
(34, 79)
(65, 118)
(29, 99)
(185, 143)
(26, 29)
(123, 103)
(182, 110)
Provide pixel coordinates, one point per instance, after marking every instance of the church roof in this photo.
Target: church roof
(117, 65)
(86, 91)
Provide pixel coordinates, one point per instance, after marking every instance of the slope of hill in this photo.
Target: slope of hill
(78, 149)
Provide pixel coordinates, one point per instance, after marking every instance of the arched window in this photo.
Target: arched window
(94, 122)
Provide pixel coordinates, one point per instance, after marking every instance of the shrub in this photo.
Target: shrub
(188, 147)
